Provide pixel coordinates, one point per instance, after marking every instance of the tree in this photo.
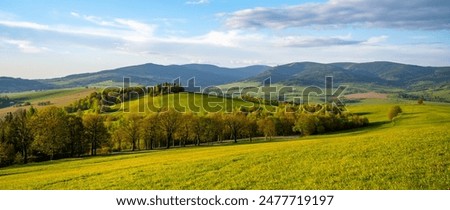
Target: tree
(306, 124)
(197, 127)
(77, 142)
(50, 131)
(217, 125)
(251, 126)
(267, 127)
(95, 131)
(169, 121)
(186, 128)
(7, 150)
(117, 135)
(284, 123)
(211, 125)
(7, 154)
(393, 112)
(420, 101)
(235, 122)
(131, 129)
(150, 130)
(22, 131)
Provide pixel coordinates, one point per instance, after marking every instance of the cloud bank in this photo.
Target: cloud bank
(411, 15)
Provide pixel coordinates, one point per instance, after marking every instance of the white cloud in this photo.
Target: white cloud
(196, 2)
(313, 41)
(122, 29)
(124, 42)
(75, 14)
(24, 24)
(376, 40)
(24, 46)
(412, 14)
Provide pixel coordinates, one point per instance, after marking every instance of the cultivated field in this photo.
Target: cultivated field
(411, 153)
(58, 97)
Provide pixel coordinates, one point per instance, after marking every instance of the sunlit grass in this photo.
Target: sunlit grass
(410, 153)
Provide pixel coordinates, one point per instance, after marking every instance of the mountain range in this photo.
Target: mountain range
(300, 74)
(378, 73)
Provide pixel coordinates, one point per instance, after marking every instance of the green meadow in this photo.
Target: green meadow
(413, 152)
(198, 103)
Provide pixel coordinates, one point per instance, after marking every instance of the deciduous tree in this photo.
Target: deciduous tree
(50, 131)
(169, 121)
(150, 130)
(95, 131)
(267, 127)
(235, 122)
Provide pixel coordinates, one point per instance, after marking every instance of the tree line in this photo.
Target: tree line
(103, 101)
(53, 133)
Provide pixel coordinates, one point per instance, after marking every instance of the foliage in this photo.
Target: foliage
(50, 130)
(393, 112)
(420, 101)
(95, 131)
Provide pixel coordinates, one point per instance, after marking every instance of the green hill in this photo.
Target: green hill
(411, 153)
(182, 101)
(378, 73)
(384, 74)
(8, 84)
(151, 74)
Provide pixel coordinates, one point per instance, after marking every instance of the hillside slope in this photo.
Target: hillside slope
(410, 154)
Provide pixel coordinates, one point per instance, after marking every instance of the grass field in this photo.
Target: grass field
(198, 103)
(412, 153)
(58, 97)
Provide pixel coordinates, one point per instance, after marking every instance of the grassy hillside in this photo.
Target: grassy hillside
(412, 153)
(182, 101)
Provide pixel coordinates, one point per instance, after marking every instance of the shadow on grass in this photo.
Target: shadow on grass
(363, 113)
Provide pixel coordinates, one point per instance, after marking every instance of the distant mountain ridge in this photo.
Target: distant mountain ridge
(379, 73)
(9, 84)
(299, 74)
(151, 74)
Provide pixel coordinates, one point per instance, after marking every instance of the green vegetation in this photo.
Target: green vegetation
(50, 133)
(43, 95)
(412, 154)
(393, 112)
(5, 101)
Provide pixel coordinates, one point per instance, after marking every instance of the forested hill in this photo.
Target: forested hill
(379, 73)
(9, 84)
(151, 74)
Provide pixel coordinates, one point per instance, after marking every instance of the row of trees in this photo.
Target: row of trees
(5, 101)
(102, 102)
(48, 134)
(51, 132)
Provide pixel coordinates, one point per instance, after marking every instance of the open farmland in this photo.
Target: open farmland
(58, 97)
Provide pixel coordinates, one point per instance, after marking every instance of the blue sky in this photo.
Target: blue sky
(51, 38)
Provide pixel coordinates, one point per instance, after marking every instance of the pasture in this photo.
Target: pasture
(410, 153)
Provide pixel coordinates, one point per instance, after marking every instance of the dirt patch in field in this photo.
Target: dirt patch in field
(367, 95)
